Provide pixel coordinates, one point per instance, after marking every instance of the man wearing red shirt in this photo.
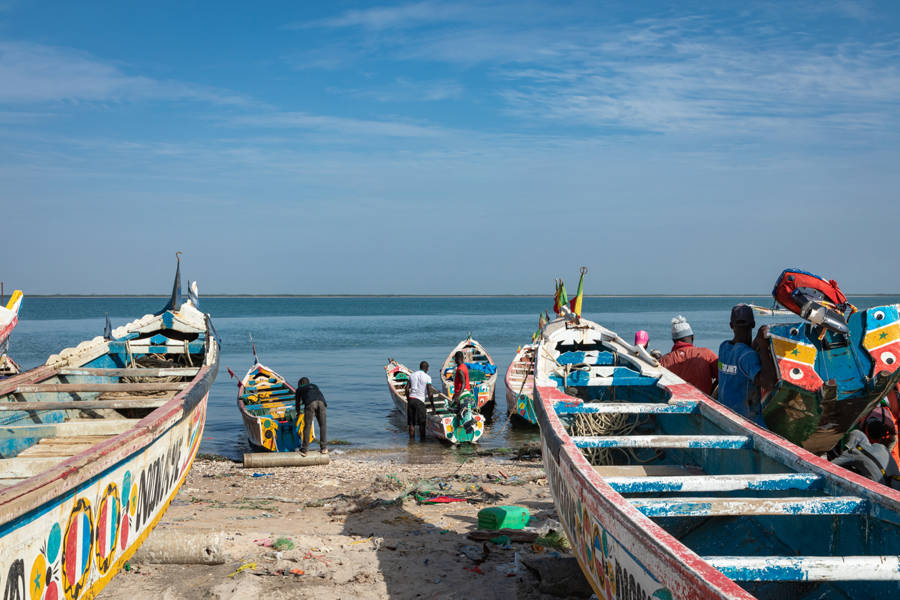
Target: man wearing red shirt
(461, 378)
(697, 366)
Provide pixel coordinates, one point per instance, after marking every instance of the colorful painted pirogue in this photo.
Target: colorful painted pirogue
(482, 373)
(832, 368)
(442, 422)
(520, 385)
(95, 444)
(266, 402)
(666, 494)
(9, 317)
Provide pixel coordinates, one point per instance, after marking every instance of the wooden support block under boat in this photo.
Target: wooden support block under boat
(131, 372)
(262, 460)
(141, 402)
(100, 387)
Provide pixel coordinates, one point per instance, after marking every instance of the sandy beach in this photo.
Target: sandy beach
(357, 528)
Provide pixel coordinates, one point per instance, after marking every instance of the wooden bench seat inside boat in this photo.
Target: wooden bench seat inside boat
(646, 470)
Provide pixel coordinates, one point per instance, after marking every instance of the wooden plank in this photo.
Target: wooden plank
(66, 429)
(807, 568)
(723, 442)
(139, 402)
(131, 372)
(100, 387)
(633, 408)
(716, 507)
(638, 471)
(716, 483)
(27, 466)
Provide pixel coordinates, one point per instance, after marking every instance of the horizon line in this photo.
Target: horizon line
(242, 295)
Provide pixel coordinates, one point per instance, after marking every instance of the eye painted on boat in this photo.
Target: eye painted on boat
(796, 373)
(794, 331)
(879, 315)
(888, 358)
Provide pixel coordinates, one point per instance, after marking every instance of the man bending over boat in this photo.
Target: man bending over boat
(313, 402)
(698, 366)
(740, 367)
(418, 387)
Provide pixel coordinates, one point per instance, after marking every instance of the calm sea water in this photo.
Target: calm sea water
(342, 344)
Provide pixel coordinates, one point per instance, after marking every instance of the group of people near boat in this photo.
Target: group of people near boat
(739, 377)
(419, 388)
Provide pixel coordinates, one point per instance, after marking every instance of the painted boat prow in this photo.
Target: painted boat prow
(484, 390)
(268, 411)
(520, 385)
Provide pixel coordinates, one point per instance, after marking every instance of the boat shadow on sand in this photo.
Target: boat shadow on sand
(422, 552)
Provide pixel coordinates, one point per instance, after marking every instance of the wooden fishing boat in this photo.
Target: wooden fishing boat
(9, 317)
(266, 402)
(482, 373)
(664, 493)
(520, 385)
(95, 444)
(442, 422)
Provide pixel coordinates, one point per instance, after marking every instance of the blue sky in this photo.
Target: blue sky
(448, 147)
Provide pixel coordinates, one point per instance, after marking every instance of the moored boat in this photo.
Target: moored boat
(664, 493)
(9, 317)
(482, 373)
(441, 422)
(95, 444)
(266, 402)
(520, 385)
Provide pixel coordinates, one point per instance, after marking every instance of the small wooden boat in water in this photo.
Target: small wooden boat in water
(95, 444)
(520, 385)
(664, 493)
(9, 317)
(442, 422)
(482, 373)
(266, 402)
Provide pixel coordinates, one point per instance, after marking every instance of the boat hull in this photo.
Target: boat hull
(273, 425)
(483, 391)
(72, 541)
(520, 386)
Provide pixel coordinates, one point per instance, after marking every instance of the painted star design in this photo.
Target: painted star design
(883, 335)
(795, 352)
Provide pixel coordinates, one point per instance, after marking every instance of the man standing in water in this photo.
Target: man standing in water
(739, 367)
(461, 376)
(313, 402)
(417, 389)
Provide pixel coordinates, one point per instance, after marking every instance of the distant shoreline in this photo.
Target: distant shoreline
(338, 296)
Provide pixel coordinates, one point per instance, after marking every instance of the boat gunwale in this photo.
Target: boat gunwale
(30, 494)
(676, 561)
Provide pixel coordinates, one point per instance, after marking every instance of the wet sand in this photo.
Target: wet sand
(357, 531)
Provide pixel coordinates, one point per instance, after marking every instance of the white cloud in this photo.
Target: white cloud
(338, 125)
(32, 73)
(391, 17)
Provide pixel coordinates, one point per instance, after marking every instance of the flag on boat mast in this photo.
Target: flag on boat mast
(579, 296)
(561, 298)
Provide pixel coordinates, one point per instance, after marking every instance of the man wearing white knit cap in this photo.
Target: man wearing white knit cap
(697, 366)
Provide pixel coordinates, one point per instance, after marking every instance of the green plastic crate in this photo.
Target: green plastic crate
(503, 517)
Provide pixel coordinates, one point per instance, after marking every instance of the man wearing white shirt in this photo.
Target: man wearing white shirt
(417, 389)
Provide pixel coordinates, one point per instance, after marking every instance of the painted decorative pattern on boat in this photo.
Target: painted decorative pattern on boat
(73, 545)
(612, 571)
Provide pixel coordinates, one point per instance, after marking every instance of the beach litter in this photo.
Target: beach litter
(243, 567)
(282, 544)
(503, 517)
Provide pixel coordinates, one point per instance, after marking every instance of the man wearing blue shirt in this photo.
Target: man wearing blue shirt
(739, 367)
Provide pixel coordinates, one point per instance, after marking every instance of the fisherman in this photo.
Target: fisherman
(698, 366)
(461, 376)
(739, 366)
(418, 387)
(310, 397)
